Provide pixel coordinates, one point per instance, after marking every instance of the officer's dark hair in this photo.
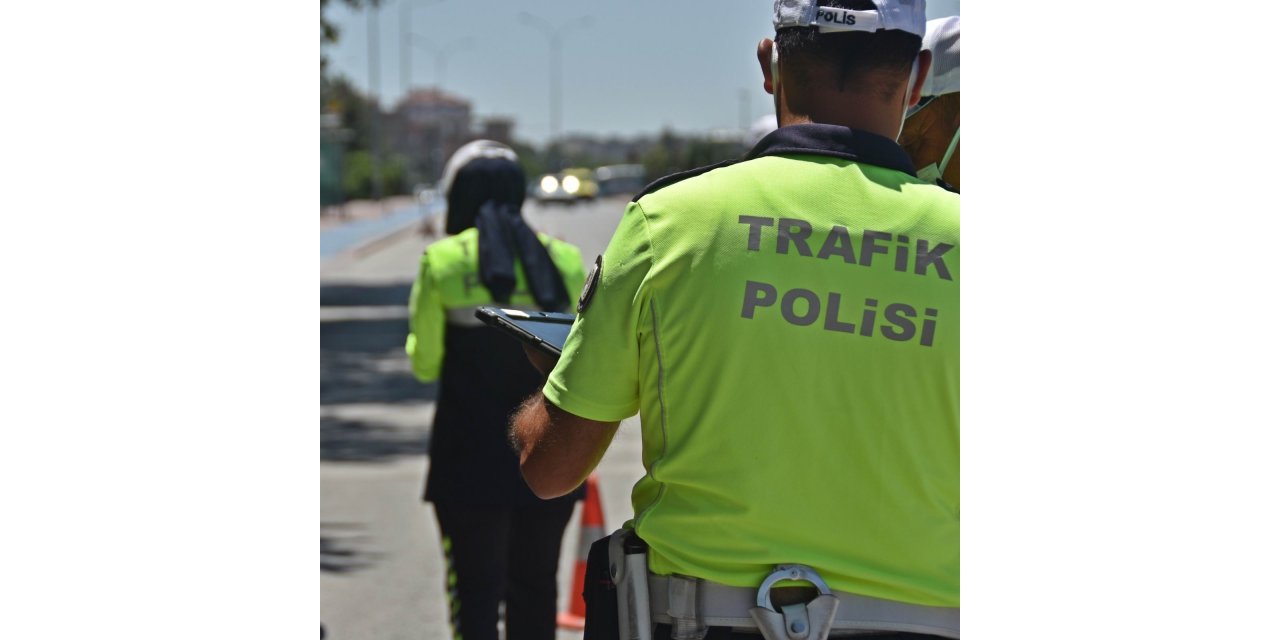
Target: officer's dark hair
(851, 60)
(482, 180)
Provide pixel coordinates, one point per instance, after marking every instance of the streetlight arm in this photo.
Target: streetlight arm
(555, 37)
(538, 23)
(550, 30)
(424, 42)
(431, 46)
(406, 23)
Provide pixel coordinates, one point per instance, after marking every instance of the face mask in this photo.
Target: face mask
(906, 98)
(777, 83)
(932, 173)
(773, 68)
(929, 173)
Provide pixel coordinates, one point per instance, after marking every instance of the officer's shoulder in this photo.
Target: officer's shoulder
(942, 205)
(682, 176)
(947, 193)
(449, 248)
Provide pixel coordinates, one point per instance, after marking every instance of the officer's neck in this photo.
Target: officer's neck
(866, 113)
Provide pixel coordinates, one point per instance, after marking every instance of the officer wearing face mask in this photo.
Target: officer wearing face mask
(787, 327)
(932, 133)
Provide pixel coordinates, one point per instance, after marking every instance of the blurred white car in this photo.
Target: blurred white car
(570, 185)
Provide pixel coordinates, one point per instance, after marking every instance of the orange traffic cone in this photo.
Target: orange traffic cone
(592, 529)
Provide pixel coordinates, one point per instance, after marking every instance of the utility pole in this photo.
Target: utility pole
(406, 76)
(555, 39)
(441, 55)
(406, 39)
(375, 108)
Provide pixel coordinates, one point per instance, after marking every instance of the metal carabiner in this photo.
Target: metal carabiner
(811, 621)
(790, 572)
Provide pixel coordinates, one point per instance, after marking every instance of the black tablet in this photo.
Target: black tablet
(542, 330)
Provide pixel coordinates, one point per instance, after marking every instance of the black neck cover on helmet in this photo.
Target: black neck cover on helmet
(487, 193)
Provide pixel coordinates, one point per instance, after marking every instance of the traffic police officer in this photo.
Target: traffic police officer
(787, 327)
(500, 541)
(931, 135)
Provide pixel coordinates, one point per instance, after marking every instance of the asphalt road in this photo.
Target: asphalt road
(381, 568)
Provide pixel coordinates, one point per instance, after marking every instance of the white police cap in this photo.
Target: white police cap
(901, 15)
(942, 37)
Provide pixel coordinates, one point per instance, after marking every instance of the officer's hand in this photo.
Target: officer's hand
(541, 361)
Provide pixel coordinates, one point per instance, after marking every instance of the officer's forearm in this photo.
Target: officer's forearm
(557, 449)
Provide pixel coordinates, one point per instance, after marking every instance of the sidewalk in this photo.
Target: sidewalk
(345, 213)
(365, 221)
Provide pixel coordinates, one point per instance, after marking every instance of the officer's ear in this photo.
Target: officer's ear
(764, 54)
(925, 58)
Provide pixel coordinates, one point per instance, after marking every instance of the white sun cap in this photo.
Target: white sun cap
(942, 37)
(900, 15)
(470, 151)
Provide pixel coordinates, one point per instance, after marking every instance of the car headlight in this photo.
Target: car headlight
(571, 184)
(549, 183)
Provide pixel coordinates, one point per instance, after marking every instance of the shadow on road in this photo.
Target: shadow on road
(358, 295)
(362, 362)
(343, 440)
(343, 548)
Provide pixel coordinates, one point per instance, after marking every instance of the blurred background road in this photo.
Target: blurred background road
(382, 571)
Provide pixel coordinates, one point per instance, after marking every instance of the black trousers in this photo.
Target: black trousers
(497, 554)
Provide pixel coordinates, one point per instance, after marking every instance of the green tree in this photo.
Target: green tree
(339, 96)
(702, 152)
(663, 158)
(357, 175)
(394, 175)
(329, 32)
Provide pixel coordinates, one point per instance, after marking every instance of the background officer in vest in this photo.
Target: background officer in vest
(501, 542)
(932, 133)
(787, 327)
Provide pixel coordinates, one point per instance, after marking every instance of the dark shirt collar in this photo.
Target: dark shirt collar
(836, 141)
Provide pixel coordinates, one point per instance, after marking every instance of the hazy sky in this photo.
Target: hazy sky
(639, 67)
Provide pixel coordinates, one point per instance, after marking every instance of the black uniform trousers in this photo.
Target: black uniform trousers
(498, 554)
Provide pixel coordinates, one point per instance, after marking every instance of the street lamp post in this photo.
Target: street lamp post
(375, 110)
(406, 55)
(442, 54)
(555, 38)
(406, 35)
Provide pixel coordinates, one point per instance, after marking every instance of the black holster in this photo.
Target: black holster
(600, 595)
